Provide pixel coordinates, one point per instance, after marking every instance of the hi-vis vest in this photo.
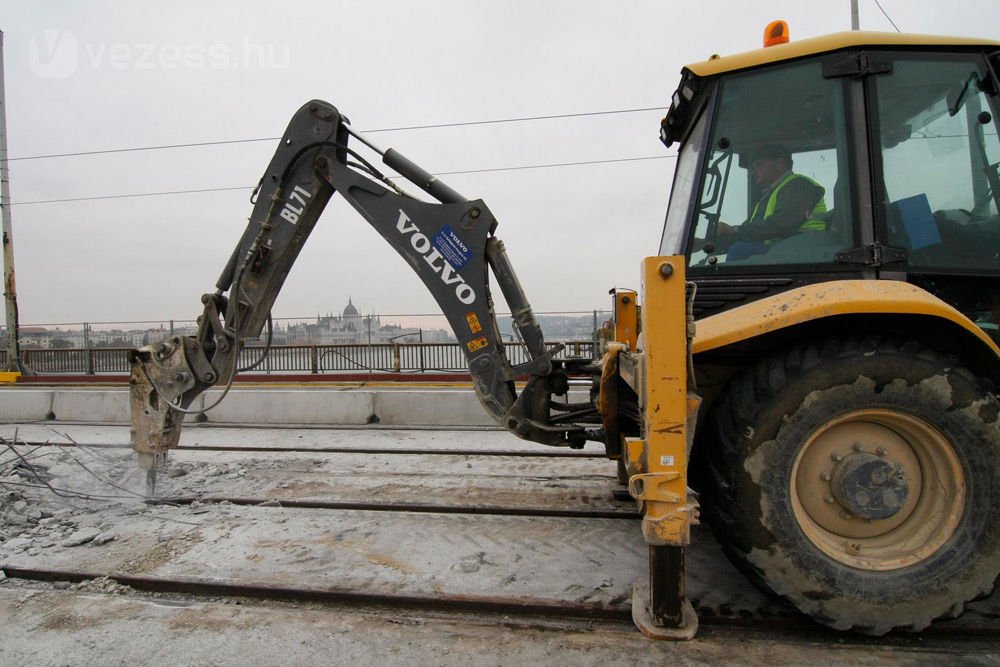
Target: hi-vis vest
(816, 220)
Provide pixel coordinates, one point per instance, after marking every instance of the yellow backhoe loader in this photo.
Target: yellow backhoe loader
(814, 347)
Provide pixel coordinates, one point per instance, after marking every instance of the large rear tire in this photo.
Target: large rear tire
(859, 479)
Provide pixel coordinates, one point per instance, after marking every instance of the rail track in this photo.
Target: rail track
(512, 559)
(780, 625)
(491, 510)
(534, 454)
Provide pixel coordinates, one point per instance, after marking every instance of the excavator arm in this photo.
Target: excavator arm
(449, 243)
(641, 383)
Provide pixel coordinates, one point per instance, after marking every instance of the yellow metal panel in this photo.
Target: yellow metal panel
(7, 377)
(827, 43)
(657, 463)
(626, 318)
(839, 297)
(625, 324)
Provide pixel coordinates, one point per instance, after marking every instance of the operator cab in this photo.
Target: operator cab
(897, 134)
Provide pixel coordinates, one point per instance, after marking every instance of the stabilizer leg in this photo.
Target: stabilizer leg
(657, 462)
(659, 608)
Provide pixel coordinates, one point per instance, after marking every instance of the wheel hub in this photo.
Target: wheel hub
(869, 486)
(876, 489)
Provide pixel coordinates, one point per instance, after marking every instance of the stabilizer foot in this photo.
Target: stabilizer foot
(643, 619)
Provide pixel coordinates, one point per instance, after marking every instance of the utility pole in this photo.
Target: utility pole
(10, 293)
(855, 22)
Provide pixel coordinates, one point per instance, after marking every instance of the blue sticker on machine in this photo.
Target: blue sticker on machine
(452, 247)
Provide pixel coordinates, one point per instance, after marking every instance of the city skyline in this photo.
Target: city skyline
(370, 327)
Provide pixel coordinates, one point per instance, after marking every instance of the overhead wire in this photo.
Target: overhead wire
(373, 131)
(556, 164)
(126, 196)
(134, 149)
(441, 173)
(888, 18)
(401, 128)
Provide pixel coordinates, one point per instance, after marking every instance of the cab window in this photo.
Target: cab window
(775, 188)
(940, 153)
(685, 180)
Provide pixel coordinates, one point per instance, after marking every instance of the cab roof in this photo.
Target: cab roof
(825, 44)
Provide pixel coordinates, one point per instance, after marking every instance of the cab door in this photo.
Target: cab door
(794, 109)
(936, 156)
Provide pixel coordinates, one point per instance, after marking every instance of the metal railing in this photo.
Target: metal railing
(297, 359)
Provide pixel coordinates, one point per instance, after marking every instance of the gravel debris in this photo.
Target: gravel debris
(18, 543)
(103, 585)
(82, 536)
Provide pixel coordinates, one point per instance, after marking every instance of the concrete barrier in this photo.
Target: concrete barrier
(319, 406)
(443, 407)
(83, 405)
(20, 404)
(295, 406)
(254, 405)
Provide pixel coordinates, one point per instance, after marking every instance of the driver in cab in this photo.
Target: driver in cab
(789, 203)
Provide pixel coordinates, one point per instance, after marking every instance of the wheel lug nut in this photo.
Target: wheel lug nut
(825, 477)
(881, 451)
(836, 457)
(828, 499)
(856, 447)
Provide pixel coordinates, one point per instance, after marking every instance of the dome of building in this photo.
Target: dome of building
(350, 310)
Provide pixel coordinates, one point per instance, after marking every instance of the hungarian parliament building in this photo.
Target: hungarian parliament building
(350, 327)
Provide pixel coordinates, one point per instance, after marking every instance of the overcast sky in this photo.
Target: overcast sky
(87, 76)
